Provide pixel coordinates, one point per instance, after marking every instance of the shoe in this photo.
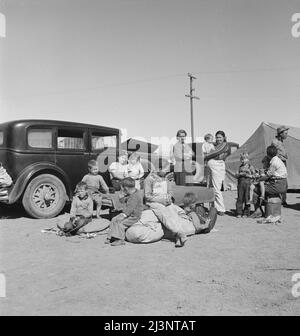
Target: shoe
(238, 216)
(245, 216)
(107, 241)
(285, 205)
(181, 239)
(117, 242)
(221, 213)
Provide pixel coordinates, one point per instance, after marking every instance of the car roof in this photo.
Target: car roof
(45, 122)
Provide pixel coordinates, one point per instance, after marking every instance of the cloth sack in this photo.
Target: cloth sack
(147, 230)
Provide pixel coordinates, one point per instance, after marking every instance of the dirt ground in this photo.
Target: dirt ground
(242, 268)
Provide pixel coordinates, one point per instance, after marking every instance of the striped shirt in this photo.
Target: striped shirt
(220, 153)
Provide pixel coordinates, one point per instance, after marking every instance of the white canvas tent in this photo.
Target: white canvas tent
(256, 147)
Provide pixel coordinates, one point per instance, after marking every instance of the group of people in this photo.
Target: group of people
(215, 154)
(126, 167)
(254, 185)
(155, 200)
(93, 189)
(156, 196)
(257, 185)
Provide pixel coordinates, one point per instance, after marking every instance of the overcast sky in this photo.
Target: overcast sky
(124, 63)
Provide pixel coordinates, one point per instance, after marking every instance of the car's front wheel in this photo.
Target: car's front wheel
(45, 196)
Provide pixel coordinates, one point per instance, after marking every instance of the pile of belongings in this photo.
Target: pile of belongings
(95, 227)
(270, 220)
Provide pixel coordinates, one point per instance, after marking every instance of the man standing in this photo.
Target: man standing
(181, 155)
(282, 133)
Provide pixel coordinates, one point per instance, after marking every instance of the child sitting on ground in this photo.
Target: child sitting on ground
(207, 147)
(135, 169)
(244, 175)
(5, 179)
(95, 183)
(132, 211)
(81, 210)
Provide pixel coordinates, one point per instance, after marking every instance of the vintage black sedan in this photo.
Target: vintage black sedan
(47, 158)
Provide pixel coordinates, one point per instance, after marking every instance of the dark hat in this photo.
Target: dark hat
(281, 129)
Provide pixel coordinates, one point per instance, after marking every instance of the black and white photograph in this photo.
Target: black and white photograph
(150, 160)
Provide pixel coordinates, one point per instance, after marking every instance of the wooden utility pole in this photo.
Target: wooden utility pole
(191, 103)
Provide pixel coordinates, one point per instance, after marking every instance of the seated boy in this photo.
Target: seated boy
(95, 183)
(132, 210)
(81, 210)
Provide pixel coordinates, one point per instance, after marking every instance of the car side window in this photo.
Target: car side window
(39, 138)
(101, 142)
(70, 139)
(1, 138)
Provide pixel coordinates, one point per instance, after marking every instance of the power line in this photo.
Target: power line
(100, 86)
(145, 80)
(254, 70)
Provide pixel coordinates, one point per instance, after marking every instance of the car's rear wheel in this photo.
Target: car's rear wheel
(45, 196)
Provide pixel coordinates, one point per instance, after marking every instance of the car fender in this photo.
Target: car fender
(31, 170)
